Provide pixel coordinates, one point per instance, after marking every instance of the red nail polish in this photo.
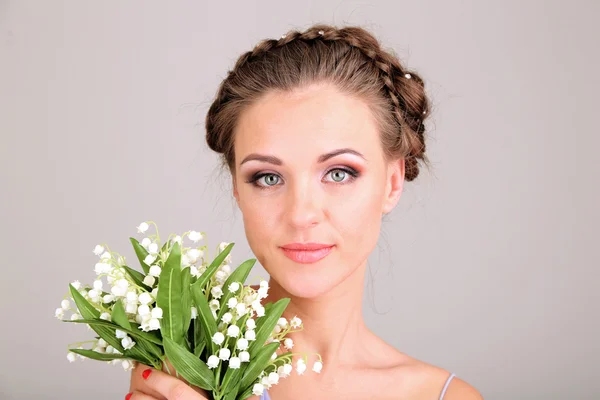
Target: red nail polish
(128, 396)
(146, 373)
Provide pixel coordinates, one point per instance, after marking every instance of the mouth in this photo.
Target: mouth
(306, 253)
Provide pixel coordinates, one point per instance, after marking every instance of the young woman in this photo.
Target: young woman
(320, 129)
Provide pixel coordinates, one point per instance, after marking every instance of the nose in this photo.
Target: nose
(304, 207)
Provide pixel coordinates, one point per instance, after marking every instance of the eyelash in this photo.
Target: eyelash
(350, 171)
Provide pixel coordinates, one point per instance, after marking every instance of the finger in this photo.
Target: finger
(138, 383)
(137, 395)
(169, 387)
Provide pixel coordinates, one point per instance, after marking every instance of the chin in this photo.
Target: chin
(307, 280)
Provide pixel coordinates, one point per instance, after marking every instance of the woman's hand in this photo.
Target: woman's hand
(148, 383)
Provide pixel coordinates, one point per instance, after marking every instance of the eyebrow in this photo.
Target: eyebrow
(322, 158)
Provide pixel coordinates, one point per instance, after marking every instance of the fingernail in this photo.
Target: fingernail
(128, 396)
(146, 374)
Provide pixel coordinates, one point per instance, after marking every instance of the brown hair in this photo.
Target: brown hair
(351, 59)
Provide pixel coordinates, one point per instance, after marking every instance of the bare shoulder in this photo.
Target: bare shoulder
(427, 381)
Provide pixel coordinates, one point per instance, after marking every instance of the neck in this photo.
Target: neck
(333, 322)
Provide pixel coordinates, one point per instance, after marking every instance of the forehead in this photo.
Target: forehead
(314, 119)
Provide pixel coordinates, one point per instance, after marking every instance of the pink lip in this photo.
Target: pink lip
(306, 253)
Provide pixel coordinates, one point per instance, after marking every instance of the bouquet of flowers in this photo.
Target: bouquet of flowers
(183, 311)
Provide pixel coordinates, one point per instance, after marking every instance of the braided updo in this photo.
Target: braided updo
(351, 59)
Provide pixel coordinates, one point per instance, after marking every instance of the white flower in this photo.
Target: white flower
(143, 227)
(98, 250)
(288, 343)
(146, 242)
(120, 334)
(317, 367)
(118, 291)
(59, 313)
(260, 312)
(277, 329)
(300, 366)
(99, 349)
(216, 292)
(258, 389)
(226, 269)
(282, 322)
(155, 270)
(235, 362)
(127, 343)
(177, 239)
(154, 324)
(227, 317)
(145, 298)
(233, 331)
(132, 297)
(273, 378)
(263, 293)
(222, 246)
(195, 236)
(295, 322)
(194, 313)
(265, 382)
(127, 365)
(234, 287)
(154, 292)
(232, 302)
(264, 284)
(194, 255)
(273, 356)
(105, 316)
(76, 285)
(218, 338)
(149, 259)
(221, 277)
(71, 357)
(213, 362)
(214, 305)
(250, 335)
(194, 271)
(110, 350)
(284, 370)
(244, 356)
(143, 310)
(224, 353)
(98, 284)
(242, 344)
(105, 256)
(102, 343)
(251, 324)
(149, 280)
(153, 248)
(75, 316)
(241, 309)
(65, 304)
(185, 260)
(157, 312)
(131, 308)
(102, 268)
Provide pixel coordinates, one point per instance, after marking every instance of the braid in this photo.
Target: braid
(404, 90)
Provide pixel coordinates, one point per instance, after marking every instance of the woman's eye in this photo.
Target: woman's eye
(338, 175)
(269, 179)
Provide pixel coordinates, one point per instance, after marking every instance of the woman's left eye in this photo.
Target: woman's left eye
(339, 175)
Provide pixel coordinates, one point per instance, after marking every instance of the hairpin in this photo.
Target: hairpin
(407, 76)
(321, 33)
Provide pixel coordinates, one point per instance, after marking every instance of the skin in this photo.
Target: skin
(301, 199)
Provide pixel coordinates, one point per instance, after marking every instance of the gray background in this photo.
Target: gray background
(488, 266)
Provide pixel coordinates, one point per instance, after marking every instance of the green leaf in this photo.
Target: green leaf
(205, 317)
(186, 299)
(94, 355)
(118, 315)
(199, 341)
(169, 297)
(265, 324)
(141, 254)
(214, 265)
(88, 312)
(137, 277)
(107, 324)
(194, 370)
(258, 364)
(240, 274)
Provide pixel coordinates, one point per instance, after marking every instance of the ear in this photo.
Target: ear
(394, 185)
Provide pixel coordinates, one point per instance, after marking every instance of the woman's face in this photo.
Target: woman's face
(310, 170)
